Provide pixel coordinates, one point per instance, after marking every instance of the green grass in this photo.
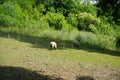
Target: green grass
(32, 54)
(86, 39)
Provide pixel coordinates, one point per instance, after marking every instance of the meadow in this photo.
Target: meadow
(28, 26)
(29, 57)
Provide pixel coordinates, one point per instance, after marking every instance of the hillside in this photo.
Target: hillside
(19, 56)
(28, 26)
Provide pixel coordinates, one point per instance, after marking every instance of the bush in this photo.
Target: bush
(36, 14)
(24, 4)
(87, 8)
(108, 19)
(11, 9)
(72, 19)
(6, 20)
(51, 9)
(91, 40)
(41, 8)
(88, 22)
(57, 21)
(107, 29)
(54, 20)
(10, 14)
(117, 30)
(85, 20)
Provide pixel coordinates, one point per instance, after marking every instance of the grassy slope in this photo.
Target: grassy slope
(67, 63)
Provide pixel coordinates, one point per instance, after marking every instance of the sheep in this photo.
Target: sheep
(75, 44)
(53, 45)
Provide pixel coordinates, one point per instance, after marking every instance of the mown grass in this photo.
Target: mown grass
(33, 53)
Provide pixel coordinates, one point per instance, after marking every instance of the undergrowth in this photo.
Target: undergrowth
(86, 39)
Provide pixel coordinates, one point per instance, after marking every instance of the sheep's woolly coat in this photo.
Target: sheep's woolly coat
(75, 44)
(53, 45)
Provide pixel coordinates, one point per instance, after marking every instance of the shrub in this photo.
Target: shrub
(72, 19)
(108, 19)
(107, 29)
(117, 31)
(41, 8)
(36, 14)
(6, 20)
(24, 4)
(54, 20)
(87, 8)
(86, 19)
(10, 14)
(88, 22)
(51, 9)
(91, 40)
(11, 9)
(57, 21)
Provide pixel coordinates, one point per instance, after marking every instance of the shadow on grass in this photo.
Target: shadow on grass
(43, 42)
(37, 42)
(17, 73)
(85, 78)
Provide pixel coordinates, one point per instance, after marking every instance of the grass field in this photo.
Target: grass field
(29, 58)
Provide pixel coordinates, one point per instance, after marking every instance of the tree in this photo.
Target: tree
(66, 6)
(110, 8)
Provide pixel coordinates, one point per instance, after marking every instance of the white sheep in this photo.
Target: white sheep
(53, 45)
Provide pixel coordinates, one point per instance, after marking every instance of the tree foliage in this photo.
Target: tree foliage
(61, 14)
(110, 8)
(64, 15)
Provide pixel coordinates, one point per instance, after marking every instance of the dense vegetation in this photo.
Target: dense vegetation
(93, 25)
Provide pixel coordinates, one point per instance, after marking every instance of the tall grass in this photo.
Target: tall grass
(86, 39)
(91, 40)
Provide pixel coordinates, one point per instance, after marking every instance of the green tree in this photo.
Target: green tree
(63, 6)
(10, 14)
(55, 20)
(110, 8)
(66, 6)
(85, 20)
